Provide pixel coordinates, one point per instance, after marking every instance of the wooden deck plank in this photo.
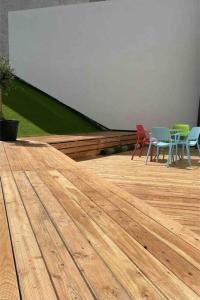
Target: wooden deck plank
(80, 149)
(137, 253)
(33, 276)
(146, 211)
(65, 275)
(76, 236)
(4, 164)
(175, 191)
(88, 144)
(127, 273)
(108, 190)
(107, 199)
(80, 137)
(20, 157)
(8, 278)
(96, 273)
(72, 144)
(153, 243)
(13, 156)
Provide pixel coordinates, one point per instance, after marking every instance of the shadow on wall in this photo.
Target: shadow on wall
(39, 114)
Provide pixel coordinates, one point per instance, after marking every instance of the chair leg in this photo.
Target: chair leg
(157, 154)
(135, 149)
(142, 148)
(163, 154)
(188, 155)
(151, 153)
(183, 152)
(176, 152)
(169, 160)
(173, 154)
(148, 152)
(198, 147)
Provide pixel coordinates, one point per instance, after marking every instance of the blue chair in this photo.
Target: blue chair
(191, 141)
(162, 138)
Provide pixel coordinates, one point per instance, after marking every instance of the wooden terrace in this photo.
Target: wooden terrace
(67, 233)
(175, 191)
(88, 144)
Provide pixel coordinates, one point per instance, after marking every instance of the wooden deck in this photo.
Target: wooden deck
(175, 191)
(88, 144)
(68, 234)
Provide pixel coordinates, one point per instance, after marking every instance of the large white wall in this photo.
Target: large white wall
(119, 62)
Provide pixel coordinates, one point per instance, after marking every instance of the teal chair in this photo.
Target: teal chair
(191, 141)
(162, 138)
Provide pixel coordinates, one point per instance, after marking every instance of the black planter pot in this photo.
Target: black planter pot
(8, 130)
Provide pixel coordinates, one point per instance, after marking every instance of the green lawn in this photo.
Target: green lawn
(39, 114)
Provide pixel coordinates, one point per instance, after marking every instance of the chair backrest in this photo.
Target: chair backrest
(194, 134)
(141, 133)
(184, 129)
(161, 133)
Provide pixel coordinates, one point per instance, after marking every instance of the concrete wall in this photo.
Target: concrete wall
(13, 5)
(125, 62)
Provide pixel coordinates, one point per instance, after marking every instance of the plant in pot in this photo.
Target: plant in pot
(8, 128)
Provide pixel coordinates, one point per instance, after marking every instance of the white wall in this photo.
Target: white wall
(119, 62)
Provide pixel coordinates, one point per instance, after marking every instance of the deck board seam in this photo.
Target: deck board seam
(10, 235)
(58, 232)
(126, 254)
(11, 243)
(109, 186)
(85, 238)
(11, 171)
(123, 229)
(30, 223)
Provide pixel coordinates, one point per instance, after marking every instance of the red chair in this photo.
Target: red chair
(142, 139)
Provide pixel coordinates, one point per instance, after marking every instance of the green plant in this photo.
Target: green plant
(6, 78)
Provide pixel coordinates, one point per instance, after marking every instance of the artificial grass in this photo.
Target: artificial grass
(40, 114)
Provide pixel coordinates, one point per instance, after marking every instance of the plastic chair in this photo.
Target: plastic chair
(183, 128)
(142, 139)
(191, 141)
(161, 138)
